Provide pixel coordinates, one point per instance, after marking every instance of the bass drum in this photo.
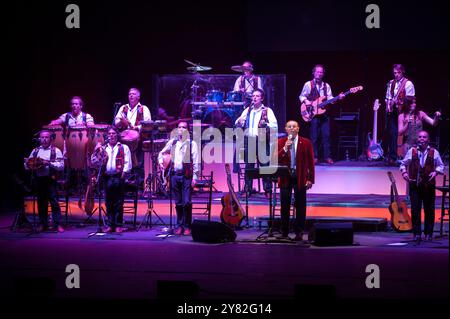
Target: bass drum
(77, 147)
(220, 118)
(57, 135)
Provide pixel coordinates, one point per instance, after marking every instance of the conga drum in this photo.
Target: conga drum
(97, 135)
(57, 135)
(77, 146)
(131, 138)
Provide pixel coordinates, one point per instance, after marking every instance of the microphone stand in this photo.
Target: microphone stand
(99, 191)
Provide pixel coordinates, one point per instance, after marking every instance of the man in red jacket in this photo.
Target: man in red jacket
(297, 153)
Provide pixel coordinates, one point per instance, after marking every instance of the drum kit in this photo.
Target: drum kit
(216, 108)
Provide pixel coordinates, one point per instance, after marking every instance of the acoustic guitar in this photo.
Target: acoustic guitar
(374, 150)
(232, 212)
(400, 219)
(317, 107)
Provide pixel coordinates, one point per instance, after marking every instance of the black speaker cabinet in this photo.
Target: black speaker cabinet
(212, 232)
(331, 234)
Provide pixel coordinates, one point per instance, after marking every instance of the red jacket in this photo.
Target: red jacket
(304, 161)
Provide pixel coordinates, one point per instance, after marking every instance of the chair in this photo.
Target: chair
(348, 135)
(444, 205)
(202, 201)
(131, 194)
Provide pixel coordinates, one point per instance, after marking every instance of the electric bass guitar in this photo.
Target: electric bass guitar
(374, 151)
(400, 219)
(317, 107)
(232, 212)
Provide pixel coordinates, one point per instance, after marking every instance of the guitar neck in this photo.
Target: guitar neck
(323, 104)
(375, 124)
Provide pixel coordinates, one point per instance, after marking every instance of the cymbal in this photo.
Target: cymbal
(237, 68)
(199, 68)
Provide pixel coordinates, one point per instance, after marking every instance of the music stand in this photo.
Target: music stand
(100, 208)
(263, 171)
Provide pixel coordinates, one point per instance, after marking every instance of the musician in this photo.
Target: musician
(130, 115)
(75, 117)
(116, 160)
(320, 124)
(419, 168)
(397, 89)
(247, 82)
(410, 121)
(45, 161)
(257, 120)
(297, 153)
(184, 168)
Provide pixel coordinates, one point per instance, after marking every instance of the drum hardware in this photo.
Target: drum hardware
(237, 68)
(196, 67)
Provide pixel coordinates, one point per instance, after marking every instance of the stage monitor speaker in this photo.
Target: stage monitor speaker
(212, 232)
(331, 234)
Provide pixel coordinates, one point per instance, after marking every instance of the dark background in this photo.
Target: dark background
(122, 44)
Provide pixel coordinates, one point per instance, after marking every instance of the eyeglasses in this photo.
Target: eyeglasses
(185, 127)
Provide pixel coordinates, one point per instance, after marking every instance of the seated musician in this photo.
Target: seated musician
(247, 82)
(75, 117)
(130, 115)
(297, 153)
(116, 160)
(45, 161)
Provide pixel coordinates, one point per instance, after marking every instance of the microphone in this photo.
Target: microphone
(117, 104)
(290, 138)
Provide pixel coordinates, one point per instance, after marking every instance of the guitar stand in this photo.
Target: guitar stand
(150, 210)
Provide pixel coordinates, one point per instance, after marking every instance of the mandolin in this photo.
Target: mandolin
(232, 211)
(400, 219)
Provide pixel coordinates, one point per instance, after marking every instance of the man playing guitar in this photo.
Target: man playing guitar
(397, 89)
(319, 124)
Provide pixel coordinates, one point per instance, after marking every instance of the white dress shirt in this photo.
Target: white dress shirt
(409, 89)
(77, 120)
(178, 152)
(438, 164)
(255, 117)
(248, 84)
(112, 151)
(45, 154)
(306, 91)
(132, 114)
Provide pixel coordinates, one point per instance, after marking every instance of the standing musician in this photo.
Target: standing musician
(116, 160)
(75, 117)
(45, 161)
(320, 124)
(397, 89)
(297, 153)
(247, 82)
(419, 168)
(257, 120)
(410, 122)
(184, 169)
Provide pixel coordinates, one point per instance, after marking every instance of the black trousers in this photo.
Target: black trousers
(300, 206)
(426, 195)
(320, 125)
(114, 197)
(251, 159)
(392, 130)
(45, 193)
(182, 195)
